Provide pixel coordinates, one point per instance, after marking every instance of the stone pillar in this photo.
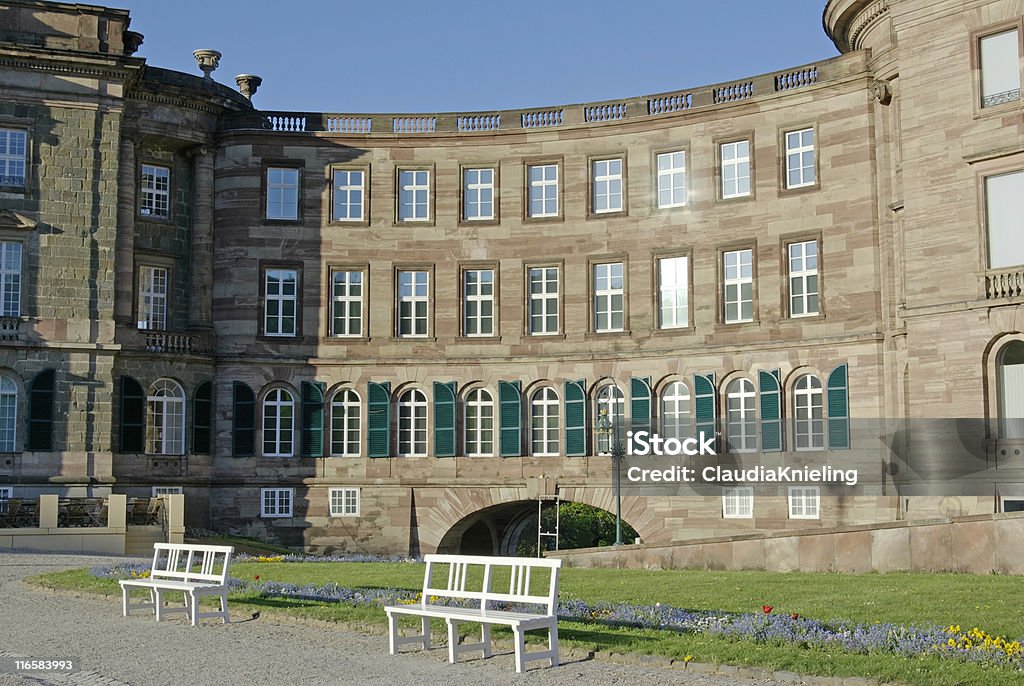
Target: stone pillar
(175, 517)
(47, 512)
(117, 503)
(124, 274)
(200, 277)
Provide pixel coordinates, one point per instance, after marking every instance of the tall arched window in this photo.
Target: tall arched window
(544, 423)
(676, 420)
(741, 415)
(611, 404)
(8, 414)
(279, 424)
(1011, 390)
(809, 427)
(412, 424)
(165, 418)
(479, 423)
(345, 422)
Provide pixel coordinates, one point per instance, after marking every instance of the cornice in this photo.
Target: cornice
(845, 21)
(71, 63)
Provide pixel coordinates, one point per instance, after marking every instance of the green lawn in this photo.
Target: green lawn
(989, 602)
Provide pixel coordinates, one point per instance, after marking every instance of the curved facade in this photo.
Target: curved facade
(392, 332)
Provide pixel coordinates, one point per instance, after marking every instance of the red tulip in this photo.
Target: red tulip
(257, 577)
(795, 616)
(767, 608)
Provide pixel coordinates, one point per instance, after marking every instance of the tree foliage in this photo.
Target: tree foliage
(580, 526)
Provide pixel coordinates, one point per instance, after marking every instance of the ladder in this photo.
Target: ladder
(542, 534)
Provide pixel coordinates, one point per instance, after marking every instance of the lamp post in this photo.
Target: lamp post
(607, 444)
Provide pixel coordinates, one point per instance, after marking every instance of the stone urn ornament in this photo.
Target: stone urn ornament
(207, 59)
(248, 84)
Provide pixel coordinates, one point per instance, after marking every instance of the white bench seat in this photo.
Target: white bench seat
(460, 568)
(191, 570)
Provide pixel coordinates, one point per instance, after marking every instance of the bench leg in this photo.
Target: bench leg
(124, 595)
(520, 640)
(392, 634)
(224, 607)
(158, 601)
(425, 625)
(193, 602)
(485, 634)
(553, 642)
(453, 639)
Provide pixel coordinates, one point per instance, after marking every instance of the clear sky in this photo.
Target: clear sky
(440, 55)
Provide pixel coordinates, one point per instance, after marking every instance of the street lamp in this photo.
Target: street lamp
(609, 445)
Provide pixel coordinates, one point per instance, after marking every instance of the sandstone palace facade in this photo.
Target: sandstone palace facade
(395, 332)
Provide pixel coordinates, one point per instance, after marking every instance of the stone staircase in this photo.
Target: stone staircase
(139, 540)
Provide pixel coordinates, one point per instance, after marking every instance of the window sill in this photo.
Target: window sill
(530, 337)
(800, 190)
(267, 221)
(478, 339)
(598, 335)
(344, 340)
(674, 331)
(805, 317)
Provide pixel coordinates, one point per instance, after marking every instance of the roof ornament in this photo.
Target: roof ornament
(207, 59)
(248, 84)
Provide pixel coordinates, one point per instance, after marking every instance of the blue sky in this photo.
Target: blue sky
(400, 56)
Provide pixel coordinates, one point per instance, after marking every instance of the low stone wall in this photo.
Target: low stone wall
(979, 544)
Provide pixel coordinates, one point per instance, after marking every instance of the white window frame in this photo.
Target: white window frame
(544, 419)
(608, 185)
(1002, 502)
(609, 299)
(671, 177)
(477, 193)
(282, 433)
(6, 493)
(735, 161)
(282, 194)
(797, 147)
(281, 299)
(347, 408)
(734, 265)
(8, 414)
(344, 501)
(737, 502)
(165, 418)
(13, 157)
(407, 323)
(803, 279)
(804, 502)
(676, 411)
(673, 286)
(154, 284)
(741, 415)
(158, 491)
(987, 53)
(346, 298)
(546, 298)
(10, 278)
(1002, 218)
(155, 191)
(474, 321)
(544, 190)
(276, 502)
(342, 195)
(412, 423)
(417, 183)
(479, 425)
(808, 413)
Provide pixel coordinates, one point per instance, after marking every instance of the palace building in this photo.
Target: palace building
(395, 333)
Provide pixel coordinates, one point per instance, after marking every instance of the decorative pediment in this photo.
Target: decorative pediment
(9, 219)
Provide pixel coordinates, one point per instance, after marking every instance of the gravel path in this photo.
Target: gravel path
(113, 650)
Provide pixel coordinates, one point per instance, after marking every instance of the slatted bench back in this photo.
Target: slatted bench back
(490, 580)
(193, 563)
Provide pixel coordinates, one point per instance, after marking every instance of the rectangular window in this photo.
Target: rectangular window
(280, 302)
(6, 493)
(13, 153)
(800, 158)
(346, 303)
(609, 297)
(803, 279)
(478, 194)
(804, 502)
(413, 303)
(10, 279)
(738, 269)
(167, 490)
(349, 199)
(608, 185)
(282, 193)
(738, 503)
(276, 502)
(413, 195)
(672, 179)
(344, 502)
(543, 190)
(543, 297)
(1004, 206)
(1000, 68)
(735, 158)
(153, 282)
(156, 191)
(673, 292)
(478, 303)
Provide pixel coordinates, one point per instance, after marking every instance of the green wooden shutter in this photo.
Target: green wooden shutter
(704, 399)
(40, 411)
(838, 409)
(444, 419)
(510, 402)
(202, 419)
(771, 411)
(575, 418)
(640, 403)
(313, 418)
(243, 434)
(378, 433)
(133, 416)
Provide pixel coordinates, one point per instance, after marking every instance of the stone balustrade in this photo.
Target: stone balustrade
(170, 342)
(10, 329)
(1004, 284)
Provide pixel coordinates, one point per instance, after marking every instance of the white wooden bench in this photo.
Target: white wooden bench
(194, 570)
(475, 579)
